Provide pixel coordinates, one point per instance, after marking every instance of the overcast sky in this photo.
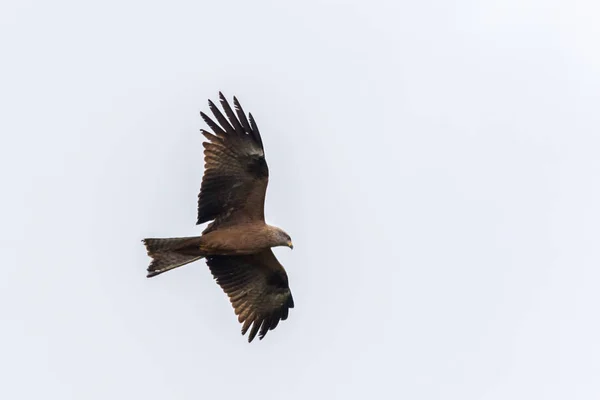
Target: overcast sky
(436, 164)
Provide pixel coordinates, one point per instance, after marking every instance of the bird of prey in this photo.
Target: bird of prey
(237, 243)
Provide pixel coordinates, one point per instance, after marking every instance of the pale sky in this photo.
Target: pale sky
(436, 164)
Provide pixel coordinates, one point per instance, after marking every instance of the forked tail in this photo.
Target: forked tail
(171, 253)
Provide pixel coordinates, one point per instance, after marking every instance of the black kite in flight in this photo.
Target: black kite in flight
(237, 243)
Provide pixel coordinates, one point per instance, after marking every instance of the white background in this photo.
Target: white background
(435, 162)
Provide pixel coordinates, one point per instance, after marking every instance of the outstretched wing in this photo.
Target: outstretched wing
(236, 173)
(257, 286)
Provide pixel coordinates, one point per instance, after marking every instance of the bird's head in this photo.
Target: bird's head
(283, 239)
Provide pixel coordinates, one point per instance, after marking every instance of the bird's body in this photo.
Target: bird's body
(242, 239)
(237, 243)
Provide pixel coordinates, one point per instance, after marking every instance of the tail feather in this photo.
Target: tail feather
(171, 253)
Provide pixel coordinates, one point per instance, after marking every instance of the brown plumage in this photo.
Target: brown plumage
(237, 243)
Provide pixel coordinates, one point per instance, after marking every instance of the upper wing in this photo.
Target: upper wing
(257, 286)
(236, 173)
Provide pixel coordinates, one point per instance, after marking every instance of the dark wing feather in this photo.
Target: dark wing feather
(241, 115)
(255, 132)
(236, 174)
(257, 286)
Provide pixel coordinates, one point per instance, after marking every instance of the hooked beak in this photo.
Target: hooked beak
(290, 245)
